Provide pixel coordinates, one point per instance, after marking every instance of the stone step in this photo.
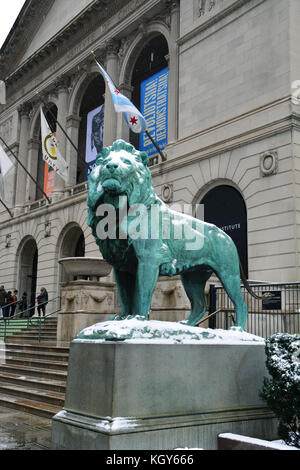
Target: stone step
(34, 354)
(39, 363)
(34, 382)
(24, 391)
(29, 406)
(32, 336)
(12, 329)
(38, 347)
(46, 342)
(33, 372)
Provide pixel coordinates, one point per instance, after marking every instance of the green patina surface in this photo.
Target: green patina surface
(121, 174)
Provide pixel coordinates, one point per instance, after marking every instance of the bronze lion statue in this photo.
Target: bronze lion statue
(142, 238)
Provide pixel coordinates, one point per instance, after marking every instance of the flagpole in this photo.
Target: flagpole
(57, 122)
(163, 157)
(60, 126)
(7, 208)
(21, 164)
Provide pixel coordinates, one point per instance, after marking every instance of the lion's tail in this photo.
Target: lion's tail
(246, 284)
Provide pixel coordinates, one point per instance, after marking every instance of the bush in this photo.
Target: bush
(282, 390)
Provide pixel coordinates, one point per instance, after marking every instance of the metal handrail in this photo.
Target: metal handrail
(214, 313)
(11, 303)
(29, 323)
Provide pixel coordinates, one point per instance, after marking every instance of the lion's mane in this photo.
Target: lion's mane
(139, 190)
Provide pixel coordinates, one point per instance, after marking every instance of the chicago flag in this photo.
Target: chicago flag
(132, 115)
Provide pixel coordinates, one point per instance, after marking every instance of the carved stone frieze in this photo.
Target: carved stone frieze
(6, 129)
(205, 6)
(77, 297)
(25, 109)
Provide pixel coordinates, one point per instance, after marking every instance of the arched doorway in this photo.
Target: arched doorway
(225, 207)
(150, 92)
(91, 127)
(28, 264)
(72, 245)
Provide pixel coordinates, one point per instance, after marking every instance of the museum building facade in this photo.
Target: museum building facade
(228, 126)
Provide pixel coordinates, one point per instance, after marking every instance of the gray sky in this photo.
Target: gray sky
(9, 10)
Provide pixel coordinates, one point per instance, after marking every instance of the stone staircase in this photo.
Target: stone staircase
(33, 375)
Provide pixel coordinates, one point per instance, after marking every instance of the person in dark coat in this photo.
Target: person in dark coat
(3, 295)
(15, 301)
(42, 300)
(23, 304)
(9, 300)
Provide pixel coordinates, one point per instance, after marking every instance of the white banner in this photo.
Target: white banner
(51, 154)
(5, 166)
(2, 92)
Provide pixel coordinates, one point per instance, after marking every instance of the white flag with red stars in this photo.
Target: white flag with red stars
(132, 115)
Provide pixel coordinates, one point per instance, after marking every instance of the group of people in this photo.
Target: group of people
(9, 302)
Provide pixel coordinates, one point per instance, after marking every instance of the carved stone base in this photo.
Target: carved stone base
(84, 303)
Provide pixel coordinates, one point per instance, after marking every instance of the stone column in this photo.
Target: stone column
(34, 146)
(173, 73)
(62, 111)
(110, 116)
(24, 111)
(73, 124)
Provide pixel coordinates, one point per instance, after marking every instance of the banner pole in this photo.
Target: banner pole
(57, 122)
(21, 164)
(7, 208)
(163, 157)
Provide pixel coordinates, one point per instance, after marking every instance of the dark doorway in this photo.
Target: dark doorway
(225, 207)
(92, 100)
(151, 60)
(28, 270)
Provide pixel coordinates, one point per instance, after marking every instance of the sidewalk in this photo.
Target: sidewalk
(22, 431)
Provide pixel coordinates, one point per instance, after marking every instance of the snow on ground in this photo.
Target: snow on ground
(139, 330)
(276, 445)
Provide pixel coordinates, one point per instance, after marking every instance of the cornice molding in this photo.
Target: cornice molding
(19, 38)
(76, 27)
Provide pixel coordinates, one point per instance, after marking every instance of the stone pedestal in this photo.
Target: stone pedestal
(84, 303)
(169, 301)
(161, 396)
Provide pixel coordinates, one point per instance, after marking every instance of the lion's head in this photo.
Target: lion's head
(120, 170)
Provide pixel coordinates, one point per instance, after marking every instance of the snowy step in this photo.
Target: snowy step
(33, 372)
(24, 391)
(33, 382)
(57, 365)
(29, 406)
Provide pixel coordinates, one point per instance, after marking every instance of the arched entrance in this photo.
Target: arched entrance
(28, 263)
(224, 207)
(91, 127)
(150, 92)
(72, 245)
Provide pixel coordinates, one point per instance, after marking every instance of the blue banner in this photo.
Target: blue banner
(154, 107)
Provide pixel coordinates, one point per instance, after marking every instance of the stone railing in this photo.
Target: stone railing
(35, 205)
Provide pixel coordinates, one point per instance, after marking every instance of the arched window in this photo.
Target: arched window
(91, 127)
(224, 207)
(72, 245)
(150, 93)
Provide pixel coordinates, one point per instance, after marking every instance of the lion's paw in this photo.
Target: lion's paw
(117, 318)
